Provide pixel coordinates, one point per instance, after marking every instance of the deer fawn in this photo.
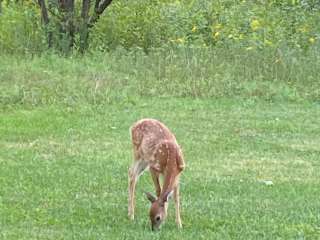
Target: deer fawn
(156, 148)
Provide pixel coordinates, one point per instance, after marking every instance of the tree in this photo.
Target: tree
(64, 25)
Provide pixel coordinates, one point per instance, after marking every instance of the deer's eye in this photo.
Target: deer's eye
(158, 218)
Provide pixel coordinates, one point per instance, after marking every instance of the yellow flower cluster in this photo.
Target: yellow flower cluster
(255, 25)
(312, 40)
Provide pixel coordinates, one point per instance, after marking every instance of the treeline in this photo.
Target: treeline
(67, 25)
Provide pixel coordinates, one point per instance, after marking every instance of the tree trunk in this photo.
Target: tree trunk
(67, 29)
(70, 23)
(45, 19)
(99, 8)
(65, 22)
(84, 31)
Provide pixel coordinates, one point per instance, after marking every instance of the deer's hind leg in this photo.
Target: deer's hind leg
(135, 171)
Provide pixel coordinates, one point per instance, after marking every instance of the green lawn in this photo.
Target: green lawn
(63, 170)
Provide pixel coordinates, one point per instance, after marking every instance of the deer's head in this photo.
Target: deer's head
(158, 210)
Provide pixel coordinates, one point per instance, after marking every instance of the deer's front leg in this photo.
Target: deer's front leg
(155, 178)
(177, 205)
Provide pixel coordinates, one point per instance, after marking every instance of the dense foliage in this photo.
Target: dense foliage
(150, 24)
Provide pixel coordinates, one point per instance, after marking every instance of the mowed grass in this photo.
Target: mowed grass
(63, 170)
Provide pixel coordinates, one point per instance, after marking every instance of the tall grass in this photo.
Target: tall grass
(122, 75)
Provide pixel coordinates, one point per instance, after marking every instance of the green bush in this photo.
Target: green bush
(261, 24)
(20, 29)
(150, 24)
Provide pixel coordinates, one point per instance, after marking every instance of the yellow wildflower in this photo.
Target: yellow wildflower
(180, 40)
(255, 25)
(312, 40)
(194, 29)
(216, 34)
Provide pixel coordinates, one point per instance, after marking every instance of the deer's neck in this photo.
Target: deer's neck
(170, 181)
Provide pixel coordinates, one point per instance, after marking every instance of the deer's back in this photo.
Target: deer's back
(147, 134)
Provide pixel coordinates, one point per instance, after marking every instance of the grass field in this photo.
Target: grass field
(238, 82)
(63, 170)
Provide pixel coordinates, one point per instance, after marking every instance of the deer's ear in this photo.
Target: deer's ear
(150, 197)
(166, 196)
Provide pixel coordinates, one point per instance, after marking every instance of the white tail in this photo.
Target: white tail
(156, 148)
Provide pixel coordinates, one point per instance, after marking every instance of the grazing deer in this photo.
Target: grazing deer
(156, 148)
